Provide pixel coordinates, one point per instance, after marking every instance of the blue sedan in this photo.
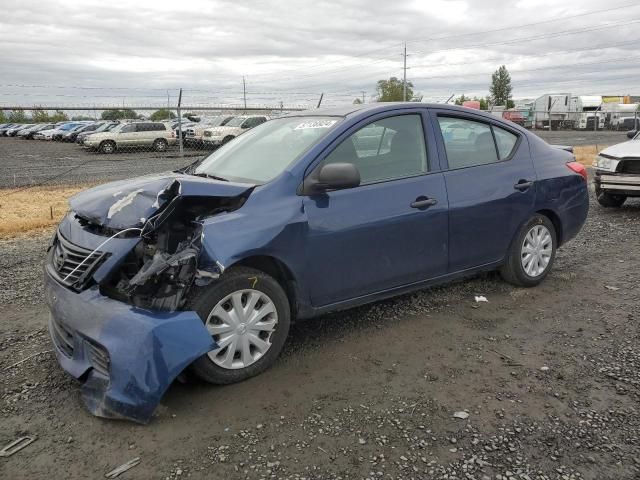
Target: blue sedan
(205, 268)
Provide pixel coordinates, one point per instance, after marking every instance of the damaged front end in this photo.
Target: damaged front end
(117, 281)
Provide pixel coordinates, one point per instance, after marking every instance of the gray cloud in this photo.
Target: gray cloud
(90, 52)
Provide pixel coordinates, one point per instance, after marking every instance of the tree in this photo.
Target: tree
(3, 117)
(391, 90)
(59, 116)
(162, 114)
(82, 117)
(39, 115)
(500, 88)
(18, 116)
(461, 99)
(123, 114)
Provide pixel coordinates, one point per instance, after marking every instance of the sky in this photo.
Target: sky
(125, 52)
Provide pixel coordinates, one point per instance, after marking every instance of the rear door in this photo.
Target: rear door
(392, 229)
(491, 186)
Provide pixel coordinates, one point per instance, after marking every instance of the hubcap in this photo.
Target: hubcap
(242, 324)
(536, 250)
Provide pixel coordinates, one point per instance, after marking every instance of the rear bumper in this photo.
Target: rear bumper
(126, 357)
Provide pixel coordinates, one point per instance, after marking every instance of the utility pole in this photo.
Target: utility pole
(244, 92)
(320, 101)
(363, 92)
(404, 78)
(180, 122)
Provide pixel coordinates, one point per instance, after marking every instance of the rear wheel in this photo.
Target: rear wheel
(248, 315)
(107, 147)
(160, 145)
(531, 254)
(610, 200)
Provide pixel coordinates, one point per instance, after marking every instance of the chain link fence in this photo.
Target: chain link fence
(78, 146)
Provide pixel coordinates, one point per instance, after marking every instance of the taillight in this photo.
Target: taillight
(579, 169)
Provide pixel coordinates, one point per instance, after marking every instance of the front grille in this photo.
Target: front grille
(630, 166)
(62, 337)
(72, 265)
(98, 357)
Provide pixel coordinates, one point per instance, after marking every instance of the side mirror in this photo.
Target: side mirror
(333, 176)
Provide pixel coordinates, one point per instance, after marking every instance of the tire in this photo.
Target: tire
(246, 282)
(226, 140)
(108, 146)
(610, 200)
(160, 145)
(513, 271)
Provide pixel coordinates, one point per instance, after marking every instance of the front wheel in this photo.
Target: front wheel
(531, 254)
(248, 315)
(610, 200)
(160, 145)
(107, 147)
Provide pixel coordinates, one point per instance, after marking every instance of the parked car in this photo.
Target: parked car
(57, 132)
(514, 116)
(215, 136)
(617, 174)
(72, 134)
(30, 132)
(156, 135)
(194, 135)
(632, 133)
(206, 267)
(4, 127)
(104, 127)
(12, 132)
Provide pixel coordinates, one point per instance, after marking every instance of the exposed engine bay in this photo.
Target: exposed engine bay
(159, 271)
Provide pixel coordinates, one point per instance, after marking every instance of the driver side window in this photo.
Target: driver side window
(128, 128)
(387, 149)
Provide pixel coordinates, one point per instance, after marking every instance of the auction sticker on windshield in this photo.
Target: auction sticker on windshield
(315, 124)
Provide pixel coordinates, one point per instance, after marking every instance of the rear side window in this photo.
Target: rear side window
(506, 142)
(467, 142)
(386, 149)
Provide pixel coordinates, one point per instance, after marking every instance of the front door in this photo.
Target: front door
(392, 229)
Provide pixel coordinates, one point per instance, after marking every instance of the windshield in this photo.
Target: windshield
(262, 153)
(236, 122)
(214, 122)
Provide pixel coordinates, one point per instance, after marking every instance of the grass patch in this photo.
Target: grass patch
(586, 154)
(33, 209)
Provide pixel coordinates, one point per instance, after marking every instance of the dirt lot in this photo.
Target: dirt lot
(550, 378)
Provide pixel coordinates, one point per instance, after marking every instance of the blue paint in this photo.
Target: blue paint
(340, 249)
(147, 350)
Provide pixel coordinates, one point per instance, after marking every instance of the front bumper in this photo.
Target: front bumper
(125, 356)
(618, 183)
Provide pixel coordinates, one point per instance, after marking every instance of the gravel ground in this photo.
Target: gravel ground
(32, 162)
(549, 378)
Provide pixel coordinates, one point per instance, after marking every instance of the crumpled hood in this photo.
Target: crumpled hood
(130, 203)
(624, 149)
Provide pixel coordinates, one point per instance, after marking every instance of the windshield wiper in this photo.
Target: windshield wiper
(207, 175)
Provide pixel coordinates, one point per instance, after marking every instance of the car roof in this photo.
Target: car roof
(370, 108)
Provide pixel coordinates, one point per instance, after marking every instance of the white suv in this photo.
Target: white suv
(237, 126)
(156, 135)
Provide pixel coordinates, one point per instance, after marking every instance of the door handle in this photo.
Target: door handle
(422, 203)
(523, 185)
